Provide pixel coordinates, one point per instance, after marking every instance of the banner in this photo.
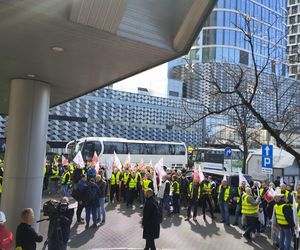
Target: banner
(79, 160)
(117, 161)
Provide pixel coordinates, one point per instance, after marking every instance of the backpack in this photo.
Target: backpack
(89, 194)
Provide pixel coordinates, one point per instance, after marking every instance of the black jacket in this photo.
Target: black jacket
(26, 237)
(150, 221)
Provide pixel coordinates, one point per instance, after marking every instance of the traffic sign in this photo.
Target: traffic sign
(267, 159)
(228, 152)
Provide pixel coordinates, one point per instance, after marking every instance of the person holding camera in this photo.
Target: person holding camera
(26, 237)
(60, 226)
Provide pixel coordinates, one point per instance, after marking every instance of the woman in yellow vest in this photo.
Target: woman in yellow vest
(131, 188)
(250, 210)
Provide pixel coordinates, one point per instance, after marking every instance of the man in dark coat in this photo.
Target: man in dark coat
(151, 220)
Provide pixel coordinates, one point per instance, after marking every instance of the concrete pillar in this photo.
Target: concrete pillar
(25, 149)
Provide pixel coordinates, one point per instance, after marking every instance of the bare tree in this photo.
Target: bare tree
(254, 92)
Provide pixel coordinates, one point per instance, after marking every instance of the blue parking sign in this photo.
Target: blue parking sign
(267, 158)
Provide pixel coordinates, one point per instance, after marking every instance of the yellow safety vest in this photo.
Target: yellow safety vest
(206, 188)
(240, 194)
(281, 220)
(177, 191)
(63, 179)
(141, 179)
(54, 174)
(286, 193)
(71, 167)
(146, 183)
(248, 208)
(132, 183)
(191, 191)
(115, 178)
(126, 176)
(226, 193)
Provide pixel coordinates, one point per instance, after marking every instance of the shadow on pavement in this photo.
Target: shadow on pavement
(79, 239)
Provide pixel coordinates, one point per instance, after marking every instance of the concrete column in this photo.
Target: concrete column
(25, 148)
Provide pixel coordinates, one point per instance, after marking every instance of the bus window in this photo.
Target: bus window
(97, 147)
(111, 147)
(148, 149)
(88, 150)
(179, 150)
(162, 149)
(172, 149)
(134, 148)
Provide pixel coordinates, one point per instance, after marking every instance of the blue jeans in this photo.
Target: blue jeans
(237, 212)
(65, 189)
(101, 209)
(224, 211)
(88, 211)
(285, 239)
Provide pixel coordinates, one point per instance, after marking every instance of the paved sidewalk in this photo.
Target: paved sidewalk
(123, 231)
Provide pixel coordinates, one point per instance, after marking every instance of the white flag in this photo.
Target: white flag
(95, 162)
(201, 175)
(154, 182)
(79, 160)
(117, 161)
(281, 180)
(109, 163)
(224, 178)
(128, 160)
(160, 169)
(295, 217)
(242, 179)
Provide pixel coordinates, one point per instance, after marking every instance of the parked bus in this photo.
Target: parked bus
(215, 159)
(174, 154)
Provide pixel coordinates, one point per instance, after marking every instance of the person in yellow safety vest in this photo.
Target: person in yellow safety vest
(114, 182)
(65, 182)
(140, 186)
(238, 200)
(285, 192)
(54, 179)
(206, 198)
(147, 183)
(224, 197)
(175, 190)
(193, 199)
(124, 189)
(250, 209)
(47, 173)
(131, 186)
(284, 218)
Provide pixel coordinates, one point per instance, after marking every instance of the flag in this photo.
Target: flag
(117, 161)
(281, 180)
(224, 178)
(295, 217)
(242, 179)
(95, 162)
(127, 161)
(154, 182)
(79, 160)
(201, 175)
(64, 160)
(141, 165)
(160, 169)
(109, 163)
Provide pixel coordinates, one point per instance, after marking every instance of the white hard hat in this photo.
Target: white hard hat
(2, 218)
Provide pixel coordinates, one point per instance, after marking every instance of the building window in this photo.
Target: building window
(292, 19)
(292, 39)
(173, 93)
(244, 57)
(294, 69)
(294, 29)
(295, 9)
(209, 37)
(208, 54)
(212, 19)
(142, 90)
(292, 2)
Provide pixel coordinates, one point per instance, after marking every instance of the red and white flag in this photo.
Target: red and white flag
(95, 162)
(79, 160)
(64, 160)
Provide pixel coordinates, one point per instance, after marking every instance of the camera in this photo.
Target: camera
(54, 208)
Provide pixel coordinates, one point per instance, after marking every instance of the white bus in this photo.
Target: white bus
(215, 159)
(174, 154)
